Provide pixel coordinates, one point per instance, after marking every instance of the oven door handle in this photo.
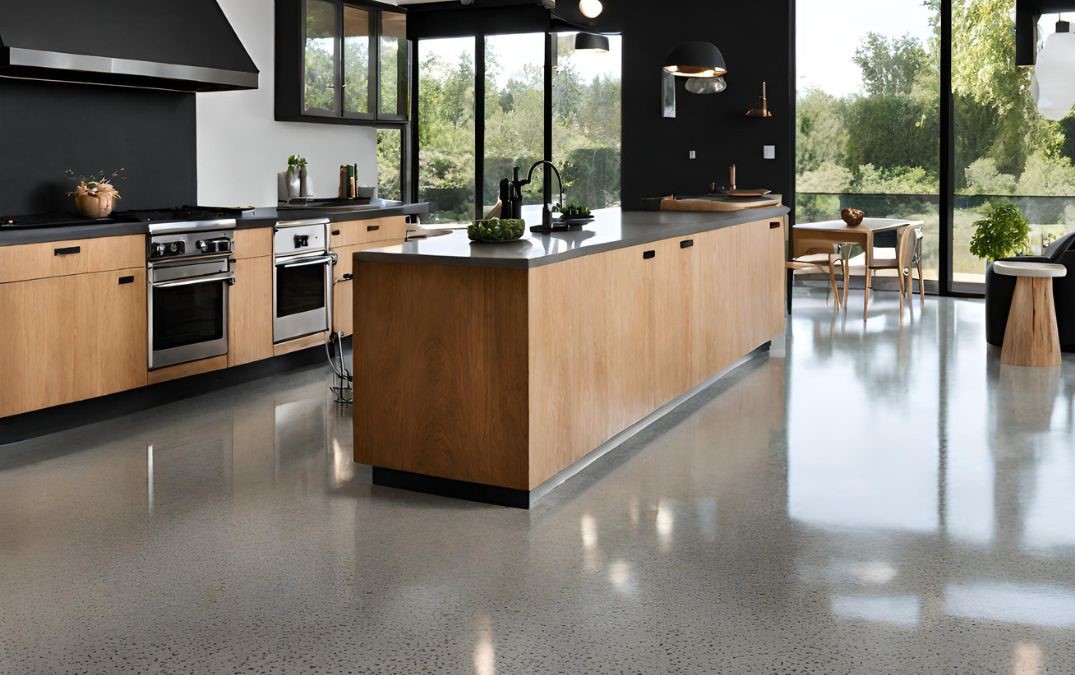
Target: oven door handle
(228, 278)
(329, 258)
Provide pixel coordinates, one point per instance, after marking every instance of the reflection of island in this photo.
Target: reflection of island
(571, 240)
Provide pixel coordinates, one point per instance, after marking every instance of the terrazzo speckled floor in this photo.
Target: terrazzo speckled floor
(883, 499)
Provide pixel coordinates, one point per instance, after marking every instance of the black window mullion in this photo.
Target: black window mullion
(373, 68)
(947, 154)
(339, 106)
(413, 148)
(549, 47)
(479, 125)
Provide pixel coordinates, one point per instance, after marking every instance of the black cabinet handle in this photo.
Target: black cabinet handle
(649, 255)
(348, 277)
(126, 280)
(335, 233)
(775, 226)
(686, 243)
(71, 250)
(372, 228)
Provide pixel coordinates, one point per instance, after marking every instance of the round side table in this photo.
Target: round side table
(1032, 338)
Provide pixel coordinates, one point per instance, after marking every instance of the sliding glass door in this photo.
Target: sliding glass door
(446, 128)
(1005, 151)
(868, 111)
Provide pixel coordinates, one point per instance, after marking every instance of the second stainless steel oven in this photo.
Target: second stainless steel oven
(302, 279)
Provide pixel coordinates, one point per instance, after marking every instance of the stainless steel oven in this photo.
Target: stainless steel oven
(302, 279)
(189, 277)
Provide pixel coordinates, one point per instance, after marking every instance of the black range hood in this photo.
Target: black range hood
(176, 45)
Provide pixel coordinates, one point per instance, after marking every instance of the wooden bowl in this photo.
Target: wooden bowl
(853, 217)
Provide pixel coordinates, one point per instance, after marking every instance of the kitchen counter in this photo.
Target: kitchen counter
(261, 217)
(613, 229)
(494, 372)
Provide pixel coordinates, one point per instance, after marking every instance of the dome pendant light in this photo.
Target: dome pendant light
(1052, 88)
(591, 9)
(591, 42)
(706, 85)
(696, 59)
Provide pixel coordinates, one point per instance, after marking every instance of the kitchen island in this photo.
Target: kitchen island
(495, 372)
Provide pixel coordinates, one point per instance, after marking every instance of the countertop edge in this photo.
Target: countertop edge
(266, 217)
(725, 219)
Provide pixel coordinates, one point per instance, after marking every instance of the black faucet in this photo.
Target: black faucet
(515, 194)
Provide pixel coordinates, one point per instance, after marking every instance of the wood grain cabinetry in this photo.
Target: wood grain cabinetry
(365, 234)
(355, 232)
(250, 311)
(64, 258)
(70, 338)
(253, 243)
(583, 348)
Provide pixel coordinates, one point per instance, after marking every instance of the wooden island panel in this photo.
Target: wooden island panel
(508, 377)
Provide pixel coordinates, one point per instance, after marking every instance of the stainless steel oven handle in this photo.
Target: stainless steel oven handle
(305, 262)
(216, 278)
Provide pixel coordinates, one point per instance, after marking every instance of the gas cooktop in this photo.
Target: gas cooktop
(168, 215)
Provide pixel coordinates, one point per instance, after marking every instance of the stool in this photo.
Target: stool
(1032, 338)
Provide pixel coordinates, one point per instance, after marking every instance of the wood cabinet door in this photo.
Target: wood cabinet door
(778, 251)
(250, 312)
(717, 337)
(112, 335)
(343, 291)
(673, 317)
(71, 338)
(754, 303)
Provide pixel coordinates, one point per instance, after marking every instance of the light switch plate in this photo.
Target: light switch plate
(768, 152)
(693, 154)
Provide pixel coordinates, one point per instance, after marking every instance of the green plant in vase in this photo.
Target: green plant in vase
(1003, 233)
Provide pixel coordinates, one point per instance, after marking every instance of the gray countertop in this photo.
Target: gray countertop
(262, 217)
(612, 230)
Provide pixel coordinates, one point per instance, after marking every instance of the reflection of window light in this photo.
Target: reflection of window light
(875, 573)
(898, 610)
(1026, 660)
(149, 479)
(1030, 604)
(588, 527)
(484, 656)
(666, 523)
(619, 573)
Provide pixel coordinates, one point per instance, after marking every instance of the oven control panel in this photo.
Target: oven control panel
(189, 245)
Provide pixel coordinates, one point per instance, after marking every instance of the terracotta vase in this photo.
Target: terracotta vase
(94, 206)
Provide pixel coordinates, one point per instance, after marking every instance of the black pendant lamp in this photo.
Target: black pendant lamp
(591, 42)
(696, 59)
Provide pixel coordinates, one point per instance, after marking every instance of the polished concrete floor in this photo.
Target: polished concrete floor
(879, 498)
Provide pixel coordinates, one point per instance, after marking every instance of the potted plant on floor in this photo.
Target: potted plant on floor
(1003, 233)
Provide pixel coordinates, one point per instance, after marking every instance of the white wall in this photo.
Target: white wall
(241, 147)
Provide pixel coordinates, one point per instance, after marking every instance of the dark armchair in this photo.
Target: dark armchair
(999, 290)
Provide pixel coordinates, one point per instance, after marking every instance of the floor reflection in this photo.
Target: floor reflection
(877, 497)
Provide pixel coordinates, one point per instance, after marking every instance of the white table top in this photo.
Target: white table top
(1030, 269)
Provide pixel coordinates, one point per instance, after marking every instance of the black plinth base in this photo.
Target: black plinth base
(453, 489)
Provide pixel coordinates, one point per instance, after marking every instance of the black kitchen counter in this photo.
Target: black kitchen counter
(262, 217)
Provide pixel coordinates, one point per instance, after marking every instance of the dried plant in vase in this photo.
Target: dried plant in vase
(95, 196)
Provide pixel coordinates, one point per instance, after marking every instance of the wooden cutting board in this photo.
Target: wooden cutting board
(718, 203)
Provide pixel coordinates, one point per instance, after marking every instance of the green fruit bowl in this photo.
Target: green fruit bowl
(496, 231)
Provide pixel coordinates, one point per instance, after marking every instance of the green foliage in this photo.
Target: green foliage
(900, 180)
(984, 178)
(1001, 234)
(890, 66)
(892, 131)
(822, 131)
(829, 177)
(1047, 176)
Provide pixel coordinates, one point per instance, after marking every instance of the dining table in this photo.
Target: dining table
(839, 233)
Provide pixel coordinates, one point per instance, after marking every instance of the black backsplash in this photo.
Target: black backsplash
(47, 128)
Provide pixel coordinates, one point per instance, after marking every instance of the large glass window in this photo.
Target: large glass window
(446, 128)
(868, 114)
(587, 118)
(319, 65)
(514, 112)
(1005, 150)
(389, 161)
(356, 60)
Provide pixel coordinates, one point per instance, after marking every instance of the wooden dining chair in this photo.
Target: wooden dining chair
(819, 259)
(907, 260)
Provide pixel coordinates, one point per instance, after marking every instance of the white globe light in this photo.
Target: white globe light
(1053, 87)
(591, 9)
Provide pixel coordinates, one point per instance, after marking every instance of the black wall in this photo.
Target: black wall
(756, 39)
(47, 127)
